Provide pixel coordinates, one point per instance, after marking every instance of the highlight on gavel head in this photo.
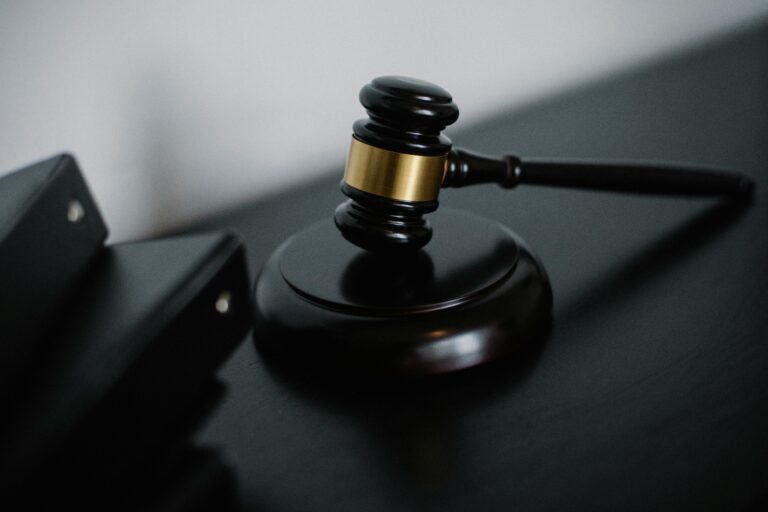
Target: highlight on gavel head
(396, 164)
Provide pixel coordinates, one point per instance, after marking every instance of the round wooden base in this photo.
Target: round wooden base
(473, 294)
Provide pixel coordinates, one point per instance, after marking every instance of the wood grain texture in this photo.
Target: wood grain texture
(651, 391)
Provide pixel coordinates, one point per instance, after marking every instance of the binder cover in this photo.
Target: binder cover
(126, 371)
(50, 232)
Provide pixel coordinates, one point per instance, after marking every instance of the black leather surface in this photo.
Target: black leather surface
(651, 391)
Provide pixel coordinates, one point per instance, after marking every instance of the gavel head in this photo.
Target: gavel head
(396, 164)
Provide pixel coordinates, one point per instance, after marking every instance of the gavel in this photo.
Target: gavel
(400, 159)
(398, 301)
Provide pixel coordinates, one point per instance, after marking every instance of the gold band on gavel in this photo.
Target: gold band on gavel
(399, 176)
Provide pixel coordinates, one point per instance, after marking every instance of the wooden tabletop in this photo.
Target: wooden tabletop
(651, 391)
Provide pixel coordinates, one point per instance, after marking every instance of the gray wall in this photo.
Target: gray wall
(178, 109)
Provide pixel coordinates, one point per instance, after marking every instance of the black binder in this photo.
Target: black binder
(50, 232)
(127, 374)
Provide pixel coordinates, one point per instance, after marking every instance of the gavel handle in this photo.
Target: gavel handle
(465, 168)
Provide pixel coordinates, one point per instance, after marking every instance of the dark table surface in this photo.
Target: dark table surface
(651, 390)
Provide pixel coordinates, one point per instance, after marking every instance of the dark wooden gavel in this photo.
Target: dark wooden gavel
(399, 160)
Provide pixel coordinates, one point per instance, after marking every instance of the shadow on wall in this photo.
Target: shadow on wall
(190, 150)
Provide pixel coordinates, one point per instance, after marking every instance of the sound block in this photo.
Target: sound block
(474, 294)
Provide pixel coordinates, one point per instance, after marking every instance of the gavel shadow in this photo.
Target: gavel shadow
(417, 425)
(654, 261)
